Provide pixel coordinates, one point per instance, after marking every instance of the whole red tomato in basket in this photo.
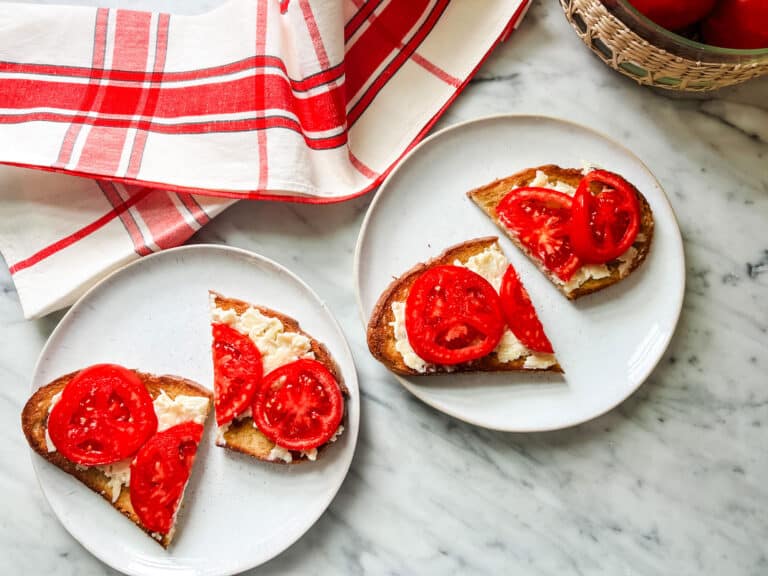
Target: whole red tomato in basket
(674, 14)
(738, 24)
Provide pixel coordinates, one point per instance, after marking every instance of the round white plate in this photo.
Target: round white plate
(607, 343)
(153, 315)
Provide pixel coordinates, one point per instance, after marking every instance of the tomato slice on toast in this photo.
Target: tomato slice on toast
(540, 219)
(104, 415)
(604, 225)
(453, 315)
(299, 405)
(238, 369)
(159, 474)
(521, 315)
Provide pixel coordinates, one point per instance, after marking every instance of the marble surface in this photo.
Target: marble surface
(674, 481)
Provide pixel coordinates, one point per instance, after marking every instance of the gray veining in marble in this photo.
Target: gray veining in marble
(674, 481)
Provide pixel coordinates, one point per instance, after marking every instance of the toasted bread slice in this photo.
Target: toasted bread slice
(34, 419)
(382, 341)
(489, 196)
(241, 435)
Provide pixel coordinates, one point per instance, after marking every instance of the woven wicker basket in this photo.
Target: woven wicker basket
(658, 58)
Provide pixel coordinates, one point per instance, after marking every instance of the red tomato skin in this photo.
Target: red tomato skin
(311, 381)
(160, 472)
(83, 391)
(584, 206)
(521, 315)
(238, 370)
(741, 24)
(542, 227)
(479, 317)
(674, 14)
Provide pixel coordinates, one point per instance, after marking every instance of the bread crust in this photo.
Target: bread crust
(34, 420)
(241, 435)
(381, 339)
(489, 196)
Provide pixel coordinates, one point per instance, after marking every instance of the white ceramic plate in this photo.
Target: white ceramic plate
(153, 315)
(607, 343)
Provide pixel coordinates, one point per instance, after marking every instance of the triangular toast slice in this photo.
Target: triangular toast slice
(241, 434)
(589, 278)
(110, 481)
(387, 338)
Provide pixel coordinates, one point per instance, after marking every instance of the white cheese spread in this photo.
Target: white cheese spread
(402, 345)
(171, 412)
(491, 265)
(539, 361)
(280, 453)
(277, 345)
(627, 259)
(510, 348)
(336, 434)
(583, 274)
(119, 475)
(48, 442)
(310, 454)
(542, 181)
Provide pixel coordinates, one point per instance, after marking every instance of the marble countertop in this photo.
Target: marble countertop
(674, 481)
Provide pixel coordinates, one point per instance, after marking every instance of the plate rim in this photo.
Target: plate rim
(680, 296)
(37, 462)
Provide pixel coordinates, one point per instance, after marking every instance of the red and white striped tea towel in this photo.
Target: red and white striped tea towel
(172, 117)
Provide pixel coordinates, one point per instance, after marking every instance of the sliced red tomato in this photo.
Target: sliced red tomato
(104, 415)
(452, 315)
(604, 225)
(237, 369)
(540, 218)
(160, 472)
(299, 405)
(521, 315)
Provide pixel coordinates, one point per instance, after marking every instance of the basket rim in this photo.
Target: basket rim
(753, 52)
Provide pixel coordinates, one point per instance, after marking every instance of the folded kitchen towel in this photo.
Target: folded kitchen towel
(147, 125)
